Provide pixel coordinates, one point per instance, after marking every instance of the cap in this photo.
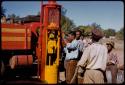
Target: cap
(110, 43)
(97, 33)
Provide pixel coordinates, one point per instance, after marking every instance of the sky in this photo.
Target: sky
(108, 14)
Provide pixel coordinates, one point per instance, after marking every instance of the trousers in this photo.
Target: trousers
(70, 66)
(114, 70)
(93, 76)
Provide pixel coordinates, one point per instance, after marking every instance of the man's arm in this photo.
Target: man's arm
(81, 45)
(84, 57)
(73, 45)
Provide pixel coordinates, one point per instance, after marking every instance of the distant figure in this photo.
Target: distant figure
(112, 61)
(80, 43)
(94, 59)
(3, 20)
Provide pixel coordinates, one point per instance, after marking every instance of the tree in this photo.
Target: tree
(95, 25)
(2, 11)
(109, 32)
(120, 34)
(13, 16)
(87, 29)
(66, 23)
(63, 11)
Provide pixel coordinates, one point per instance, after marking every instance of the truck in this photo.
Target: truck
(24, 46)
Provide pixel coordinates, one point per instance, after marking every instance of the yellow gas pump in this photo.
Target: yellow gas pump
(50, 38)
(52, 58)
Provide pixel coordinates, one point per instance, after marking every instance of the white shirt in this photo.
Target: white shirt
(87, 42)
(72, 54)
(80, 45)
(96, 55)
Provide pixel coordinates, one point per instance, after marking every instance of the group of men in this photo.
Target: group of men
(93, 56)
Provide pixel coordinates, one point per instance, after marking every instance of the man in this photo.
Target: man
(112, 61)
(71, 58)
(95, 56)
(80, 43)
(78, 34)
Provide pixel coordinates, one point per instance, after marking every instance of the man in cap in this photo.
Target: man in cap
(95, 58)
(112, 61)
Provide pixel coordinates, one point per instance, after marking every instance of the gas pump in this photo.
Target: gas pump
(50, 42)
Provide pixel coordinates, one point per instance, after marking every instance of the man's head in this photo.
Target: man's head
(110, 45)
(97, 34)
(71, 36)
(78, 34)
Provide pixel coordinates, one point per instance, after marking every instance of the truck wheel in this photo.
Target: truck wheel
(2, 68)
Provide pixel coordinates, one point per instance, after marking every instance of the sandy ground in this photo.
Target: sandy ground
(119, 49)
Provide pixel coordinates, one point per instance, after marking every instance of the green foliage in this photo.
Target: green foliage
(13, 16)
(66, 23)
(120, 34)
(95, 25)
(109, 32)
(88, 28)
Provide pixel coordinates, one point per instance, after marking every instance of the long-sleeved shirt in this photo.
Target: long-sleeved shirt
(95, 55)
(80, 45)
(87, 42)
(74, 53)
(112, 57)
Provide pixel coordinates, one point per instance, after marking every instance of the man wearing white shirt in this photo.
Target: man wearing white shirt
(71, 58)
(95, 56)
(80, 42)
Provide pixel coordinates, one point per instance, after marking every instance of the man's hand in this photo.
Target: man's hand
(65, 41)
(109, 63)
